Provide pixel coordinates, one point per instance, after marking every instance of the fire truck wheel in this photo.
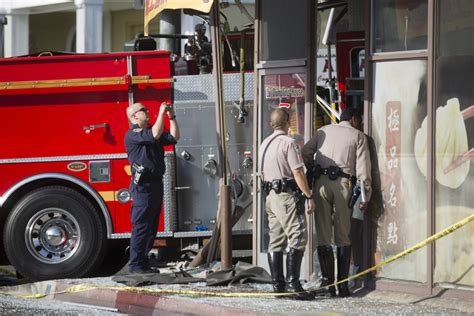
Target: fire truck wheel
(54, 232)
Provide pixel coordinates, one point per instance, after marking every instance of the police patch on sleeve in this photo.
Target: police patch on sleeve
(296, 148)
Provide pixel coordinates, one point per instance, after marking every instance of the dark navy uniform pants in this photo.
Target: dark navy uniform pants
(146, 208)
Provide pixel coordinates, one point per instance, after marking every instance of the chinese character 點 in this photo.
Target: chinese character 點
(392, 233)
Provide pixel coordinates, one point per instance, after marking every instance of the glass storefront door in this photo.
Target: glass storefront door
(279, 87)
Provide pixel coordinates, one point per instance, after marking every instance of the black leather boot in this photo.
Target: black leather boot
(293, 268)
(343, 264)
(326, 263)
(275, 261)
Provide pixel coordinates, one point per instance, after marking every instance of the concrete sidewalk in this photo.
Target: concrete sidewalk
(368, 303)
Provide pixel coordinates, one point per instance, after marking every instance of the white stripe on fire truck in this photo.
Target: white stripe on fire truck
(63, 158)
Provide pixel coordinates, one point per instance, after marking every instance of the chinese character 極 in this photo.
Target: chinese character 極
(393, 121)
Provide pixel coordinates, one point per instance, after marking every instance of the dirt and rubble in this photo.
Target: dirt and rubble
(105, 294)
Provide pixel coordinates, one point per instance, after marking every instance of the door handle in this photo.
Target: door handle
(181, 188)
(88, 128)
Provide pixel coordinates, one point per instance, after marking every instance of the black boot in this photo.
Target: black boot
(275, 261)
(293, 268)
(326, 263)
(343, 263)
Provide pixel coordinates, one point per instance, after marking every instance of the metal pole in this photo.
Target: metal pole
(226, 229)
(331, 83)
(225, 211)
(310, 102)
(3, 21)
(255, 137)
(170, 21)
(325, 42)
(218, 90)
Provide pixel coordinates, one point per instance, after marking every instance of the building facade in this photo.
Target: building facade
(417, 101)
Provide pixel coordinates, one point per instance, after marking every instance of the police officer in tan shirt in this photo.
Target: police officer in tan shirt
(337, 155)
(288, 192)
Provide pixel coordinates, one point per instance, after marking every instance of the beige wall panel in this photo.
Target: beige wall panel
(126, 24)
(50, 31)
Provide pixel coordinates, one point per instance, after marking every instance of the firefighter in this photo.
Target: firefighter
(287, 192)
(146, 156)
(336, 156)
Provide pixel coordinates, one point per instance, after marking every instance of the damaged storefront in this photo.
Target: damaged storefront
(407, 65)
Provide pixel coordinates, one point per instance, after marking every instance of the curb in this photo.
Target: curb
(129, 302)
(166, 304)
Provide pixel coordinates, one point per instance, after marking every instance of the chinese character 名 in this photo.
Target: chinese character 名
(393, 121)
(392, 233)
(393, 162)
(393, 199)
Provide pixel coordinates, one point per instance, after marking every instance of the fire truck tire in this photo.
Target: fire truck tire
(54, 232)
(115, 258)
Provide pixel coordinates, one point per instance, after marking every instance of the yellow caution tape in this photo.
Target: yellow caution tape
(419, 245)
(87, 287)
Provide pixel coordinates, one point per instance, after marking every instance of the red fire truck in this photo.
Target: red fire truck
(64, 199)
(64, 171)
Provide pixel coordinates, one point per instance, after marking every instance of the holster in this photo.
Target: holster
(277, 186)
(356, 190)
(266, 186)
(300, 200)
(317, 171)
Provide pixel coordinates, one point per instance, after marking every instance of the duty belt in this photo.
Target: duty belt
(333, 173)
(279, 185)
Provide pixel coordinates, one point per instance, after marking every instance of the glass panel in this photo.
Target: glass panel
(284, 28)
(284, 89)
(400, 25)
(398, 110)
(455, 143)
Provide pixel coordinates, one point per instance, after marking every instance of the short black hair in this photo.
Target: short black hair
(349, 113)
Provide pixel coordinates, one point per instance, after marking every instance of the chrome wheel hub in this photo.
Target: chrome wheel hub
(52, 235)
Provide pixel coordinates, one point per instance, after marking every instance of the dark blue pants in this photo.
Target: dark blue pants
(146, 207)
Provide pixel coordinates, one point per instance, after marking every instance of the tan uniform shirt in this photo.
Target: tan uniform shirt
(280, 154)
(343, 146)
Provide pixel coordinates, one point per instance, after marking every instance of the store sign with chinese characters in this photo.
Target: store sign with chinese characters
(391, 194)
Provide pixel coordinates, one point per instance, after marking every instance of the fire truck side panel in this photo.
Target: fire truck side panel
(51, 172)
(74, 134)
(72, 123)
(168, 216)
